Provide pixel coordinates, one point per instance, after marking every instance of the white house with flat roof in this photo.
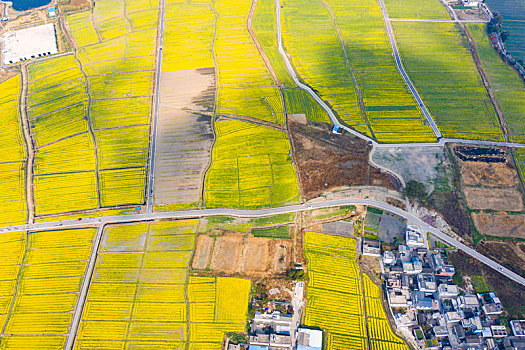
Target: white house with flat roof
(29, 43)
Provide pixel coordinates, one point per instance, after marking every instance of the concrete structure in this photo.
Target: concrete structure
(309, 339)
(371, 247)
(499, 331)
(426, 283)
(389, 258)
(468, 302)
(414, 238)
(448, 291)
(518, 327)
(29, 43)
(52, 11)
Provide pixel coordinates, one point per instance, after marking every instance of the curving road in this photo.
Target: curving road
(197, 213)
(333, 118)
(401, 69)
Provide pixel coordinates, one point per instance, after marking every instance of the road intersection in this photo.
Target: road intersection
(199, 213)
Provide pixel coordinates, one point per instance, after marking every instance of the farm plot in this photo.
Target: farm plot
(319, 59)
(188, 36)
(185, 135)
(64, 169)
(51, 273)
(265, 28)
(13, 155)
(217, 305)
(299, 103)
(459, 103)
(505, 82)
(137, 292)
(389, 106)
(251, 167)
(519, 155)
(335, 286)
(246, 88)
(419, 9)
(142, 297)
(119, 66)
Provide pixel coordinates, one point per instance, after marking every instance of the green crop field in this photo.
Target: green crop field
(12, 154)
(437, 59)
(299, 101)
(504, 81)
(519, 154)
(251, 167)
(416, 9)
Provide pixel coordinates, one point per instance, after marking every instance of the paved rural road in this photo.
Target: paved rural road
(404, 74)
(434, 20)
(265, 212)
(333, 118)
(153, 141)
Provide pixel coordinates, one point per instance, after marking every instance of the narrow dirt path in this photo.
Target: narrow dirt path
(66, 30)
(91, 131)
(499, 112)
(258, 45)
(29, 145)
(485, 80)
(356, 85)
(256, 121)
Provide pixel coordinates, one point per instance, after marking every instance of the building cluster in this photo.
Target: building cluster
(423, 299)
(275, 331)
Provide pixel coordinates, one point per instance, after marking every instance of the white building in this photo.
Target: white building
(389, 258)
(25, 44)
(448, 291)
(414, 238)
(518, 327)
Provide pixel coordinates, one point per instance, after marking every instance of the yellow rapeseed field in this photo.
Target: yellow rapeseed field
(339, 296)
(141, 294)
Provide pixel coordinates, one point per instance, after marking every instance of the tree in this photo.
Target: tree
(415, 190)
(504, 35)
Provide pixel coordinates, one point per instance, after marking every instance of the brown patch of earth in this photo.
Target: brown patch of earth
(500, 224)
(506, 253)
(226, 253)
(326, 161)
(507, 199)
(202, 252)
(6, 73)
(239, 253)
(488, 174)
(185, 134)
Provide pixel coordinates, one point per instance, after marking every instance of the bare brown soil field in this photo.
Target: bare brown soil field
(505, 199)
(73, 5)
(185, 135)
(202, 255)
(226, 253)
(32, 18)
(488, 174)
(500, 224)
(240, 253)
(326, 161)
